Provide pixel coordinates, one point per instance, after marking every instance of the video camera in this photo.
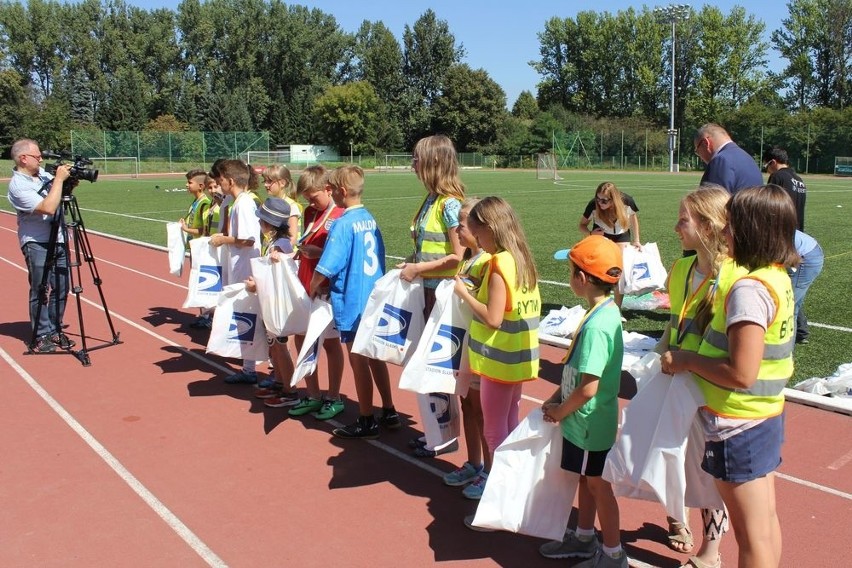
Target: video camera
(79, 166)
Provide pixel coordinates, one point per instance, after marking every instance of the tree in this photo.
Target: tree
(470, 108)
(14, 108)
(525, 107)
(352, 113)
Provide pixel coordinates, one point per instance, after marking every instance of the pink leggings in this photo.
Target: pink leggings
(500, 409)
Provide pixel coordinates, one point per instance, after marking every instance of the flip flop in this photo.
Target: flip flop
(677, 541)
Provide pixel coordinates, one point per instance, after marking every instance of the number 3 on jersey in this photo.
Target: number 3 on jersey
(371, 261)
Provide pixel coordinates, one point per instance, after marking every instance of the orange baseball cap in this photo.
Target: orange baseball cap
(597, 255)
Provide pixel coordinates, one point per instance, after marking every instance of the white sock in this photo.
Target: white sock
(585, 534)
(614, 552)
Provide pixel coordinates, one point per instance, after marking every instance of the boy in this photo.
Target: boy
(352, 261)
(586, 405)
(194, 222)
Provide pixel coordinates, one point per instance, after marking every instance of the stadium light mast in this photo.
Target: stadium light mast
(673, 13)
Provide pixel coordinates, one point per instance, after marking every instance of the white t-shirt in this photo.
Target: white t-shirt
(244, 225)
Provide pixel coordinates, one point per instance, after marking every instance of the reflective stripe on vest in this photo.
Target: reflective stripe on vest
(511, 352)
(765, 397)
(435, 239)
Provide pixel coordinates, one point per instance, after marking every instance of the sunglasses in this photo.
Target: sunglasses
(603, 200)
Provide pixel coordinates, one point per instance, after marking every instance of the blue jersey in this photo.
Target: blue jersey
(352, 260)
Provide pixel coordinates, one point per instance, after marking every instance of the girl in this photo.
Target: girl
(504, 331)
(743, 363)
(275, 217)
(241, 233)
(692, 288)
(614, 215)
(471, 271)
(279, 183)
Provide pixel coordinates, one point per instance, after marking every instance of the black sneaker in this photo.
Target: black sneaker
(43, 344)
(390, 419)
(365, 427)
(62, 341)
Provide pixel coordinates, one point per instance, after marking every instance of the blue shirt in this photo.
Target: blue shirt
(25, 194)
(352, 260)
(732, 168)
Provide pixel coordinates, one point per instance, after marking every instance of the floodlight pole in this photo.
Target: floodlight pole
(673, 13)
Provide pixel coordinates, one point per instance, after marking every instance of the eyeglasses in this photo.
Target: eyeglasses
(698, 146)
(602, 200)
(34, 157)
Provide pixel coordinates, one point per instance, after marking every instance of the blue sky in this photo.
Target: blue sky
(500, 37)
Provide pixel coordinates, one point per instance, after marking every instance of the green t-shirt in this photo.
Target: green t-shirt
(599, 351)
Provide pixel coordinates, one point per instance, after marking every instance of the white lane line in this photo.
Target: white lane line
(183, 531)
(841, 461)
(817, 486)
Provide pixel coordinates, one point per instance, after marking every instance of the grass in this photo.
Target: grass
(550, 212)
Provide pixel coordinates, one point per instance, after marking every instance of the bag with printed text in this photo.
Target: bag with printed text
(643, 270)
(319, 324)
(206, 277)
(284, 303)
(237, 330)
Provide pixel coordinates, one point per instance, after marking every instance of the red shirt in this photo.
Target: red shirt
(315, 235)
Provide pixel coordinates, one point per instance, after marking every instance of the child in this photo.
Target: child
(279, 183)
(193, 223)
(352, 260)
(274, 217)
(211, 220)
(742, 365)
(504, 331)
(586, 404)
(319, 215)
(471, 272)
(614, 215)
(241, 232)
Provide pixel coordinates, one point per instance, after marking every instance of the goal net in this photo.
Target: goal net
(396, 162)
(119, 165)
(545, 167)
(261, 158)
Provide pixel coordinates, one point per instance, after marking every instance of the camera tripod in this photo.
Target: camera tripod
(75, 248)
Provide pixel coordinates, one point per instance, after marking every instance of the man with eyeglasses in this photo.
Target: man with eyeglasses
(37, 197)
(728, 165)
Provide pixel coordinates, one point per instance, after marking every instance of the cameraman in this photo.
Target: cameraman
(37, 197)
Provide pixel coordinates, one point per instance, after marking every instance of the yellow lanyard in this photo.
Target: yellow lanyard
(586, 318)
(689, 298)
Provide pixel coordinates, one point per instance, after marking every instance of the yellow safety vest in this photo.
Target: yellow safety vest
(509, 354)
(436, 238)
(765, 398)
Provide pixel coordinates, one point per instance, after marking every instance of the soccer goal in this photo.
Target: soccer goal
(396, 162)
(258, 157)
(545, 167)
(117, 165)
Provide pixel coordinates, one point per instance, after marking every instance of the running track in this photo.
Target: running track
(146, 458)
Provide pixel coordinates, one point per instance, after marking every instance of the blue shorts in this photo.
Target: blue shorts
(749, 455)
(349, 336)
(584, 462)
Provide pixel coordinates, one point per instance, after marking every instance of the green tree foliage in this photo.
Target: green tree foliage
(470, 108)
(525, 107)
(351, 113)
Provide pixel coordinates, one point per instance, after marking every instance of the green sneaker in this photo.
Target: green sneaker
(306, 406)
(329, 409)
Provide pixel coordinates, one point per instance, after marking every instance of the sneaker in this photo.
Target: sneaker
(570, 547)
(463, 475)
(474, 490)
(365, 427)
(329, 409)
(269, 392)
(305, 406)
(468, 522)
(390, 419)
(62, 341)
(43, 344)
(268, 383)
(282, 399)
(242, 378)
(603, 560)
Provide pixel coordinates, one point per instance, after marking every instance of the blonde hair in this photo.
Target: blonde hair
(616, 213)
(438, 166)
(350, 176)
(466, 206)
(277, 172)
(312, 177)
(496, 214)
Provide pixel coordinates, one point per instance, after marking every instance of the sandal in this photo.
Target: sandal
(695, 562)
(679, 537)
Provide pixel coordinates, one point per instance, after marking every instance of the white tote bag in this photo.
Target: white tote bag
(284, 303)
(527, 491)
(441, 418)
(643, 270)
(440, 363)
(237, 329)
(649, 459)
(392, 320)
(318, 325)
(176, 244)
(206, 276)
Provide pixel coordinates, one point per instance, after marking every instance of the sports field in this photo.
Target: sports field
(139, 208)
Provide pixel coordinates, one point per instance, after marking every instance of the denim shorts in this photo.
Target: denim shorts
(749, 455)
(584, 462)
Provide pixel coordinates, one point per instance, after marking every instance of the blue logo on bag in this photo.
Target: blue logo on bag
(312, 354)
(446, 350)
(641, 271)
(210, 278)
(242, 327)
(440, 405)
(394, 324)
